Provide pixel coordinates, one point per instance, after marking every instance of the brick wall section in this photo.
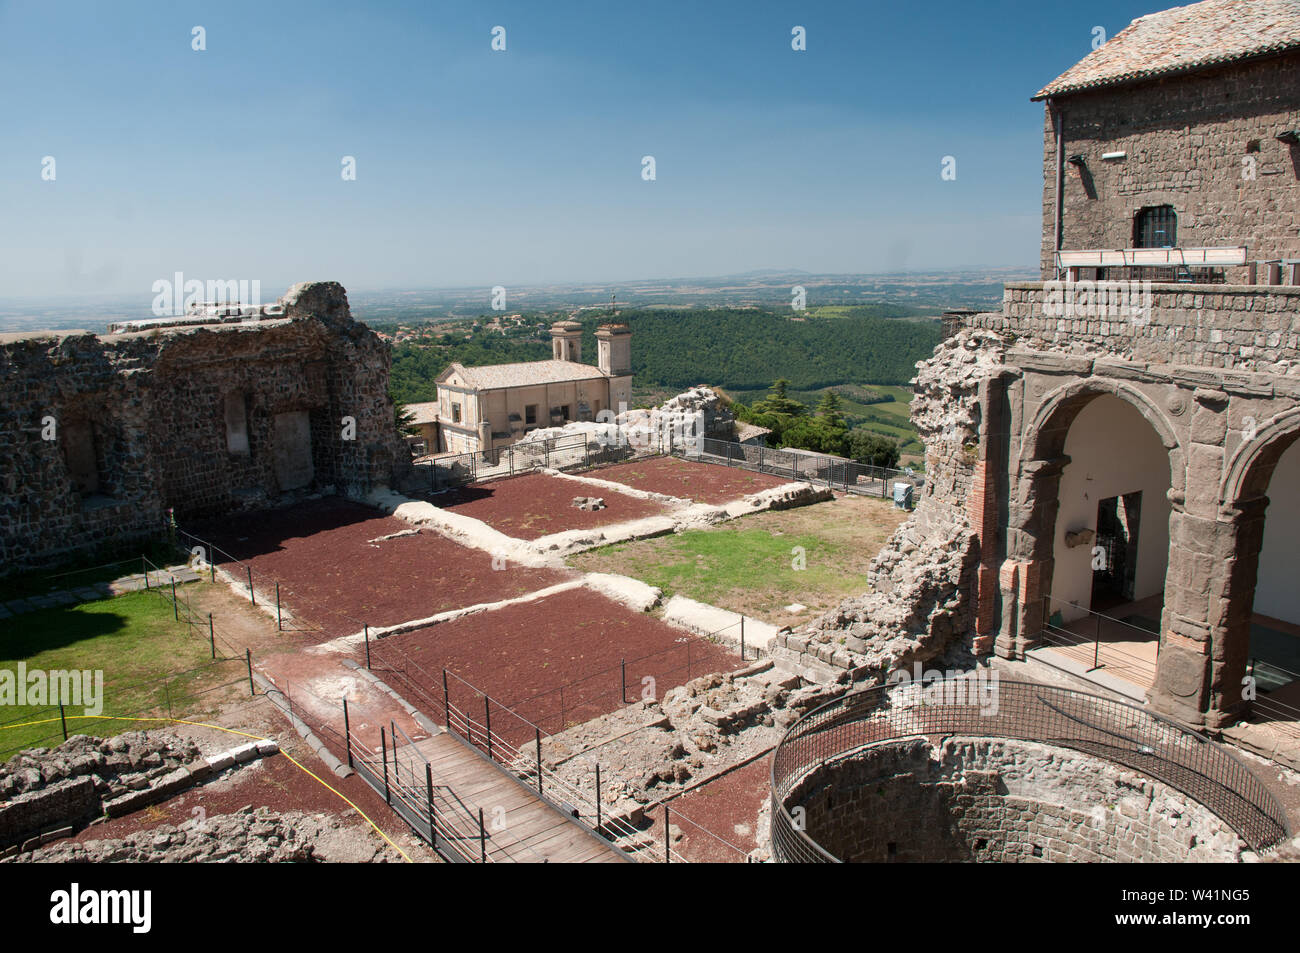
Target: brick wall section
(994, 800)
(1185, 138)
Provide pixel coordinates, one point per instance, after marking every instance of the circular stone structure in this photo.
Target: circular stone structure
(950, 772)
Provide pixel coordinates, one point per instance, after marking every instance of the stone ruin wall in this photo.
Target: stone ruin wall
(153, 404)
(919, 604)
(973, 800)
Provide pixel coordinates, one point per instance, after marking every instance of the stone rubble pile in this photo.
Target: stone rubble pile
(129, 761)
(246, 836)
(46, 793)
(650, 749)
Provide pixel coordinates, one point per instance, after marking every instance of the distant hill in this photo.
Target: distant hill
(739, 349)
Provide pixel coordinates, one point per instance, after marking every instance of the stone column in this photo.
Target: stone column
(1026, 575)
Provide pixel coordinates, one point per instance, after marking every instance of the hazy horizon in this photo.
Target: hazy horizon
(131, 155)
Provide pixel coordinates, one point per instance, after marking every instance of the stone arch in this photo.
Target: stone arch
(1249, 470)
(1027, 574)
(1242, 507)
(1046, 432)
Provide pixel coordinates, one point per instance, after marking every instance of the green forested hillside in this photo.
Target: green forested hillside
(747, 349)
(738, 349)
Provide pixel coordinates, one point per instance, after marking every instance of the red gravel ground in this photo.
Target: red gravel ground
(555, 661)
(277, 784)
(334, 578)
(536, 505)
(701, 482)
(726, 807)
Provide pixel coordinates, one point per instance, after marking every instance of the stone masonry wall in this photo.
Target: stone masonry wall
(1254, 329)
(1185, 139)
(153, 404)
(998, 801)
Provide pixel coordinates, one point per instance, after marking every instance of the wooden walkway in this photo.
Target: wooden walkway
(521, 827)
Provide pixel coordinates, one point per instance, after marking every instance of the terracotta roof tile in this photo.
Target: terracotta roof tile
(1185, 38)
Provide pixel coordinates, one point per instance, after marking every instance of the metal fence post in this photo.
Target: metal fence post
(176, 612)
(598, 796)
(248, 658)
(622, 668)
(538, 733)
(487, 723)
(367, 648)
(347, 730)
(383, 743)
(742, 642)
(212, 636)
(482, 838)
(251, 598)
(144, 569)
(446, 698)
(279, 625)
(668, 839)
(63, 720)
(428, 794)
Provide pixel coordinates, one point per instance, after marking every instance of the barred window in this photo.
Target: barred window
(1156, 227)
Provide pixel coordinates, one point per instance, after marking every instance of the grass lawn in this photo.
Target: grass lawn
(134, 640)
(749, 564)
(77, 575)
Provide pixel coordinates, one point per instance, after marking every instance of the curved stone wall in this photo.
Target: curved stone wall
(991, 800)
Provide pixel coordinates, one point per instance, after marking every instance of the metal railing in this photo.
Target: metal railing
(1100, 727)
(834, 472)
(1103, 635)
(561, 453)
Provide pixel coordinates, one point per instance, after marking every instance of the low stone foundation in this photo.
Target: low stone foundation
(990, 800)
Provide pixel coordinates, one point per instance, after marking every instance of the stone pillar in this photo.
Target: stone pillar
(1209, 598)
(1026, 575)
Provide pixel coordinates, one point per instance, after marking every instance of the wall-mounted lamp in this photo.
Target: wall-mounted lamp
(1291, 137)
(1078, 159)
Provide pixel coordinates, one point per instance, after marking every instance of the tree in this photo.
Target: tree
(828, 408)
(872, 449)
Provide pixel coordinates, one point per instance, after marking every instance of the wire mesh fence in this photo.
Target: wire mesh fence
(449, 471)
(1114, 731)
(796, 465)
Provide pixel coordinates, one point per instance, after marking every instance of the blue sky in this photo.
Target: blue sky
(523, 166)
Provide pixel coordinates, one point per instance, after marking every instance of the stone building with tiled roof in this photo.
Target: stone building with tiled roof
(1122, 438)
(1173, 150)
(483, 408)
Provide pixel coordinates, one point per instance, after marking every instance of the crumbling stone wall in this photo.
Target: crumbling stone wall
(923, 583)
(998, 801)
(1186, 138)
(155, 405)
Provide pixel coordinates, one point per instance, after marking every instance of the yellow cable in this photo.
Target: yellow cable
(200, 724)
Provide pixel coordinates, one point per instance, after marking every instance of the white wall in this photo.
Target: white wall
(1113, 451)
(1277, 591)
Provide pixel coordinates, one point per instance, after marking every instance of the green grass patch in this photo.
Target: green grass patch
(707, 565)
(133, 639)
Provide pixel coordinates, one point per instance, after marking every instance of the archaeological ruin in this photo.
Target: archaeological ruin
(226, 409)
